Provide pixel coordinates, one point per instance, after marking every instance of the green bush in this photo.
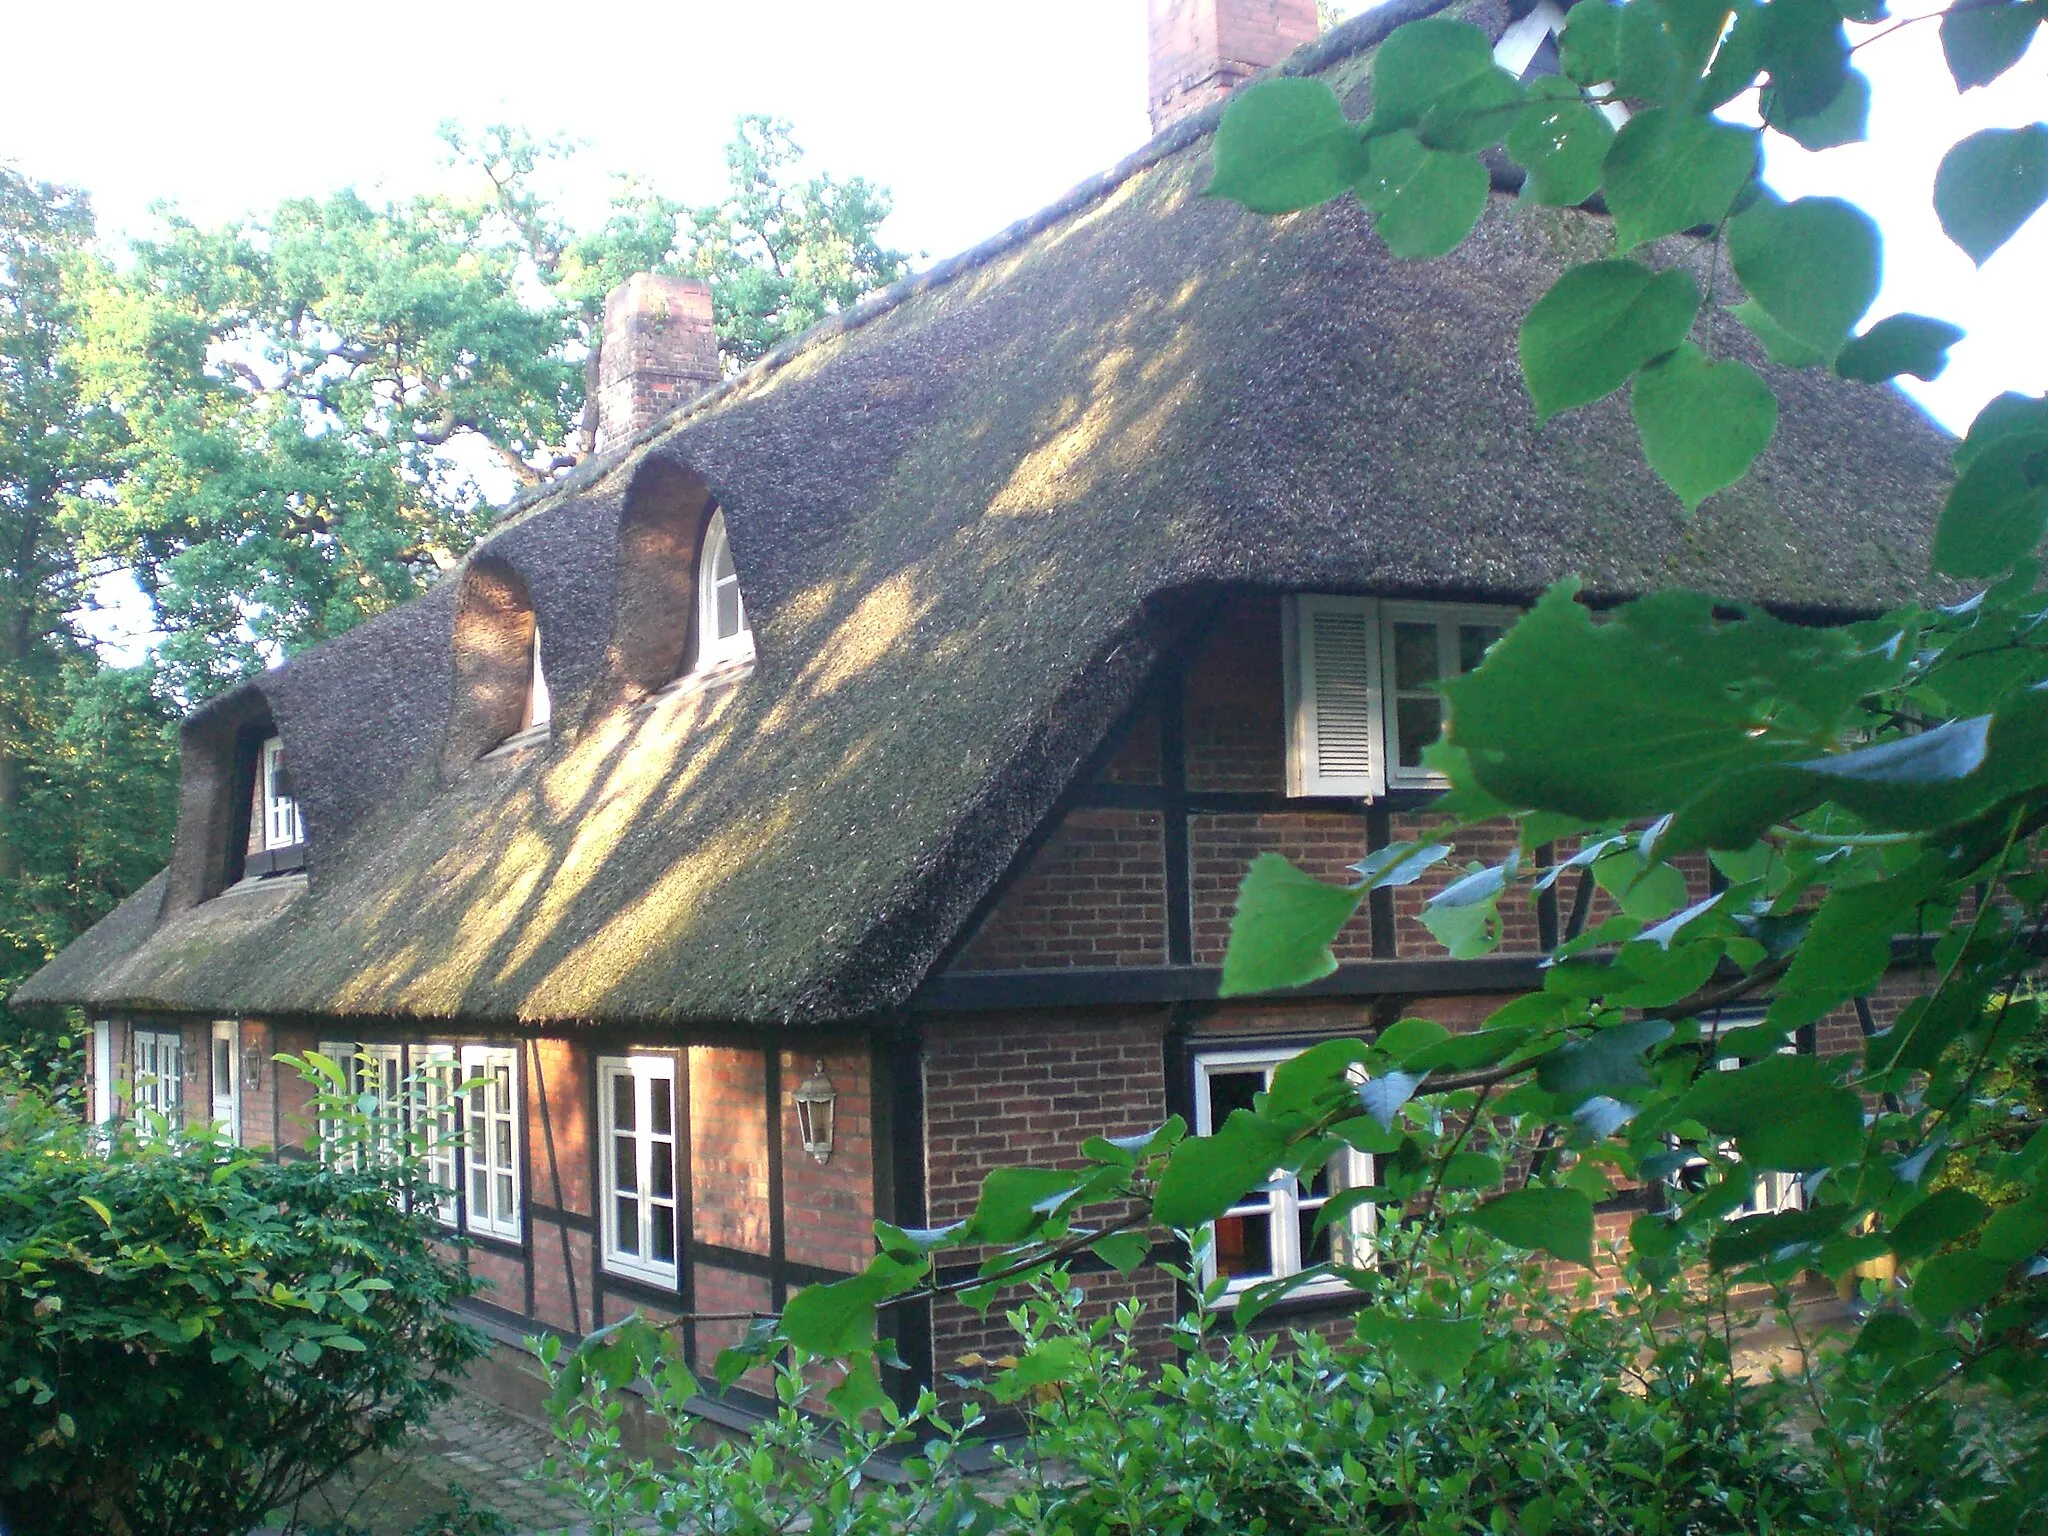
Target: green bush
(191, 1337)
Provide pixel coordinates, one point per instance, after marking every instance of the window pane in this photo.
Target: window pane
(1233, 1090)
(722, 568)
(1244, 1245)
(1414, 655)
(661, 1105)
(1420, 721)
(504, 1210)
(626, 1218)
(622, 1102)
(479, 1189)
(664, 1235)
(502, 1149)
(728, 609)
(661, 1173)
(625, 1166)
(1473, 639)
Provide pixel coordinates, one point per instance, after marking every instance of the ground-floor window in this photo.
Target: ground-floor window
(491, 1142)
(441, 1114)
(636, 1098)
(158, 1083)
(1272, 1232)
(1773, 1191)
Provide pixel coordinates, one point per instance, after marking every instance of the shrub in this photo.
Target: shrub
(191, 1337)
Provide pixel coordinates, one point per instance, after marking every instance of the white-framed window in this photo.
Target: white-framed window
(282, 826)
(441, 1113)
(1362, 680)
(540, 704)
(158, 1064)
(1271, 1233)
(227, 1079)
(636, 1098)
(102, 1071)
(491, 1145)
(722, 631)
(1774, 1191)
(1528, 47)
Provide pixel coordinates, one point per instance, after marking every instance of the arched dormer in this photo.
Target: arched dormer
(680, 613)
(723, 634)
(501, 695)
(239, 814)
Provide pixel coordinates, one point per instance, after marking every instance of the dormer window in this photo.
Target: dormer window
(537, 709)
(722, 632)
(281, 825)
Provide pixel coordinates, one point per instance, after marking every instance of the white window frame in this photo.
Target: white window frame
(491, 1106)
(645, 1073)
(1520, 40)
(440, 1110)
(102, 1072)
(282, 825)
(1282, 1201)
(226, 1088)
(1448, 618)
(158, 1083)
(714, 650)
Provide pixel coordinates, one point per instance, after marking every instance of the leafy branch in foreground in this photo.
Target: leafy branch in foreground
(1682, 184)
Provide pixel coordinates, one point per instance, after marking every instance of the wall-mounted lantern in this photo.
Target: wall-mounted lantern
(254, 1060)
(815, 1102)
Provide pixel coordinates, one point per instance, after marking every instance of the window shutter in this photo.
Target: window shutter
(1333, 705)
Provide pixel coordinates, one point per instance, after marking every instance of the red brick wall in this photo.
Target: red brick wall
(1490, 844)
(1094, 895)
(1234, 702)
(561, 1145)
(729, 1146)
(1136, 758)
(829, 1208)
(1222, 847)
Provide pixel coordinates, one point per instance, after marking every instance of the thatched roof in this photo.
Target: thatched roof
(968, 518)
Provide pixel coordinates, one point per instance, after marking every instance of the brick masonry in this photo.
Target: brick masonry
(1094, 896)
(1200, 49)
(658, 349)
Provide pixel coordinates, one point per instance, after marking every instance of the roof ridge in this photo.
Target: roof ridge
(1356, 34)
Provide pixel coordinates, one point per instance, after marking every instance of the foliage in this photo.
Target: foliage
(463, 1517)
(191, 1337)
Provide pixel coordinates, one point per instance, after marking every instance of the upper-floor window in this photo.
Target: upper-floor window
(1363, 688)
(1273, 1232)
(722, 632)
(282, 827)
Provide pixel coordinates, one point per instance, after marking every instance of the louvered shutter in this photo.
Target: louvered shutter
(1333, 705)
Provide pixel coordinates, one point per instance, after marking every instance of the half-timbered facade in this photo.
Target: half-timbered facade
(838, 788)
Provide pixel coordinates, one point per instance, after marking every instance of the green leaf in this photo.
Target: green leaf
(1784, 1112)
(1845, 120)
(1812, 264)
(1981, 42)
(1209, 1174)
(1779, 344)
(1437, 77)
(98, 1209)
(1997, 510)
(1012, 1201)
(1955, 1282)
(1557, 1221)
(2008, 415)
(1285, 145)
(1427, 200)
(1438, 1348)
(1989, 185)
(1122, 1251)
(1472, 1170)
(834, 1320)
(1408, 1035)
(1897, 344)
(1627, 715)
(1588, 46)
(1281, 932)
(1382, 1096)
(1702, 423)
(1561, 140)
(1937, 1221)
(1610, 1060)
(1888, 1333)
(1314, 1079)
(1668, 171)
(1805, 50)
(2018, 1232)
(1599, 323)
(1756, 1238)
(1046, 1363)
(858, 1393)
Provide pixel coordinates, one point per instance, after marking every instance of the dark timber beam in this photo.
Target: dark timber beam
(984, 991)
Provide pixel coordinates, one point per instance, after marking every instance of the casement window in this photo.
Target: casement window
(1362, 680)
(440, 1105)
(227, 1081)
(491, 1145)
(536, 711)
(375, 1072)
(157, 1086)
(282, 827)
(1528, 48)
(1774, 1191)
(102, 1071)
(1271, 1233)
(636, 1098)
(722, 632)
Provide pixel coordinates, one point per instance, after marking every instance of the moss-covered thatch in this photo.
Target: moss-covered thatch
(967, 519)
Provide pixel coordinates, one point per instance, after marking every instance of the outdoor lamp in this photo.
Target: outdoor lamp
(815, 1099)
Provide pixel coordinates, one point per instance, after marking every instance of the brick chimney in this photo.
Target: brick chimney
(1203, 49)
(658, 349)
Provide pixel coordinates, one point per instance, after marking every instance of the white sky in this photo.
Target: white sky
(972, 112)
